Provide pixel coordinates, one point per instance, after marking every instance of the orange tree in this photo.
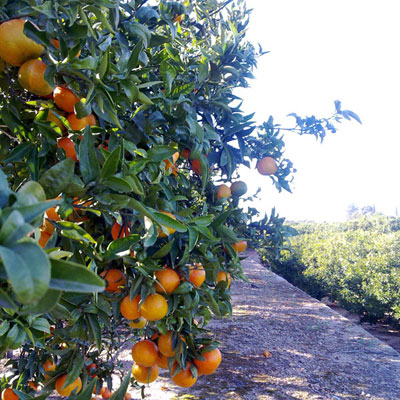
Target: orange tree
(117, 121)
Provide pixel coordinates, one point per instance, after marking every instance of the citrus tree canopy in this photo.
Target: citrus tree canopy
(120, 141)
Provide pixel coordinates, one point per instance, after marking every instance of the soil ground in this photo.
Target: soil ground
(316, 353)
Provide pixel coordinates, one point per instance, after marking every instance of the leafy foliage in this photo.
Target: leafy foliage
(355, 263)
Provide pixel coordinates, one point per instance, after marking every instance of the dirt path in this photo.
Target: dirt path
(316, 353)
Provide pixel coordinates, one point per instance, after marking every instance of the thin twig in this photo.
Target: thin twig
(221, 8)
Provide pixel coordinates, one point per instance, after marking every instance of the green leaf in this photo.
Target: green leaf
(227, 233)
(4, 189)
(57, 179)
(28, 270)
(193, 238)
(119, 394)
(6, 302)
(75, 232)
(87, 393)
(204, 231)
(118, 184)
(41, 324)
(120, 245)
(72, 277)
(142, 98)
(75, 371)
(135, 183)
(161, 152)
(95, 329)
(164, 251)
(45, 304)
(165, 220)
(168, 74)
(203, 220)
(29, 213)
(4, 327)
(14, 221)
(134, 57)
(88, 162)
(111, 164)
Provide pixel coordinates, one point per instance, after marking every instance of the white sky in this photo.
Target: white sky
(320, 51)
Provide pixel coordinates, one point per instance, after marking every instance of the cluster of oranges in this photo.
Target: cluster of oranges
(17, 50)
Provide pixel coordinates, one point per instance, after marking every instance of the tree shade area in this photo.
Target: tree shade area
(121, 137)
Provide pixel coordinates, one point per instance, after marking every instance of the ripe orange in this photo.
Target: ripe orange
(139, 324)
(127, 396)
(162, 361)
(44, 238)
(238, 189)
(145, 353)
(197, 274)
(77, 124)
(31, 77)
(240, 247)
(65, 99)
(224, 276)
(66, 391)
(69, 147)
(165, 345)
(48, 226)
(56, 44)
(186, 153)
(168, 281)
(9, 394)
(49, 366)
(114, 279)
(267, 166)
(52, 214)
(196, 167)
(106, 394)
(183, 378)
(33, 385)
(15, 47)
(210, 364)
(223, 192)
(52, 118)
(130, 308)
(154, 308)
(118, 231)
(144, 374)
(171, 231)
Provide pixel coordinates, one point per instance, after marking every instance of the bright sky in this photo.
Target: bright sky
(321, 51)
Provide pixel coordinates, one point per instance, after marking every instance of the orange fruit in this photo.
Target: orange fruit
(65, 99)
(168, 281)
(154, 308)
(196, 167)
(48, 226)
(130, 308)
(15, 47)
(139, 324)
(171, 231)
(165, 345)
(186, 153)
(106, 394)
(183, 378)
(240, 246)
(31, 77)
(162, 361)
(197, 274)
(224, 276)
(49, 366)
(52, 118)
(118, 231)
(69, 147)
(210, 364)
(9, 394)
(145, 353)
(144, 374)
(56, 44)
(76, 386)
(33, 385)
(223, 192)
(238, 189)
(178, 18)
(114, 279)
(44, 238)
(127, 396)
(2, 65)
(52, 214)
(267, 166)
(77, 124)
